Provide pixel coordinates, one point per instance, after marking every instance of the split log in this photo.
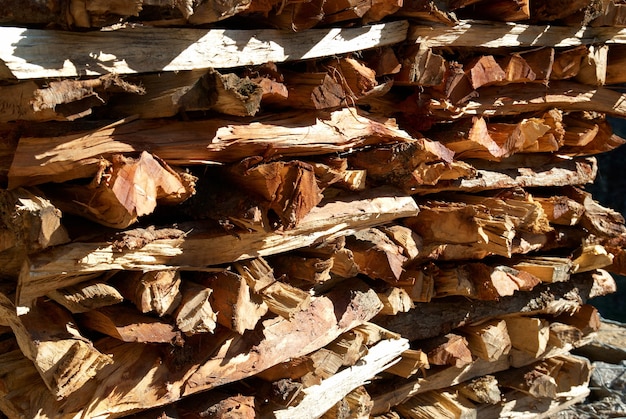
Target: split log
(557, 10)
(195, 313)
(23, 59)
(437, 404)
(338, 11)
(449, 349)
(410, 363)
(484, 71)
(501, 10)
(489, 340)
(189, 143)
(528, 334)
(567, 63)
(615, 73)
(86, 296)
(565, 95)
(147, 376)
(422, 67)
(284, 299)
(153, 291)
(498, 35)
(356, 404)
(517, 69)
(395, 300)
(65, 360)
(304, 270)
(257, 273)
(593, 68)
(376, 255)
(128, 325)
(318, 399)
(124, 190)
(483, 390)
(546, 268)
(429, 11)
(561, 210)
(162, 249)
(441, 316)
(237, 307)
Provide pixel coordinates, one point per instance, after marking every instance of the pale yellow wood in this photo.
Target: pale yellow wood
(496, 35)
(33, 53)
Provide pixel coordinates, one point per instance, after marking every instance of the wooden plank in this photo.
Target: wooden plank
(497, 35)
(47, 271)
(34, 53)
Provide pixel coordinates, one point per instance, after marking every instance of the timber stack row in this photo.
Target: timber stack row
(303, 209)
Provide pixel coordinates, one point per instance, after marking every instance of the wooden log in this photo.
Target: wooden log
(155, 377)
(561, 210)
(163, 248)
(173, 142)
(501, 10)
(449, 349)
(343, 10)
(64, 359)
(534, 98)
(546, 268)
(376, 255)
(441, 316)
(410, 363)
(257, 273)
(615, 73)
(497, 35)
(151, 292)
(422, 67)
(395, 300)
(427, 10)
(482, 390)
(128, 325)
(124, 190)
(517, 69)
(237, 307)
(248, 48)
(357, 403)
(540, 61)
(489, 340)
(484, 71)
(557, 10)
(593, 68)
(419, 285)
(304, 270)
(284, 299)
(86, 296)
(437, 404)
(528, 334)
(586, 319)
(318, 399)
(195, 313)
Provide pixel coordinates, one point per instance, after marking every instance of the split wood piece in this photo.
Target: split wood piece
(86, 296)
(200, 142)
(47, 335)
(373, 333)
(586, 319)
(320, 398)
(561, 210)
(213, 403)
(406, 238)
(203, 13)
(411, 165)
(284, 299)
(522, 172)
(356, 78)
(381, 9)
(310, 90)
(564, 334)
(29, 222)
(289, 189)
(540, 61)
(429, 11)
(489, 340)
(356, 404)
(449, 349)
(304, 270)
(296, 17)
(128, 325)
(565, 95)
(516, 69)
(590, 257)
(567, 63)
(63, 100)
(395, 300)
(422, 67)
(151, 292)
(411, 361)
(546, 268)
(339, 11)
(146, 376)
(237, 307)
(481, 390)
(615, 73)
(195, 313)
(593, 67)
(376, 255)
(435, 404)
(383, 61)
(603, 222)
(419, 285)
(484, 71)
(558, 10)
(619, 261)
(324, 364)
(257, 273)
(230, 48)
(124, 190)
(344, 265)
(614, 14)
(458, 88)
(350, 346)
(388, 394)
(589, 135)
(549, 377)
(469, 33)
(528, 334)
(480, 281)
(168, 248)
(441, 316)
(499, 10)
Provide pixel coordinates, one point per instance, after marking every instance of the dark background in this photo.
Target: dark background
(610, 190)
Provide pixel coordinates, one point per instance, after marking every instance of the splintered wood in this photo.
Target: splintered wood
(304, 209)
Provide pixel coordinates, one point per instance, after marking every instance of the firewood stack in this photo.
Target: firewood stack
(302, 209)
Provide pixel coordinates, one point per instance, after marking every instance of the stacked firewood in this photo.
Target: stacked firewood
(302, 209)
